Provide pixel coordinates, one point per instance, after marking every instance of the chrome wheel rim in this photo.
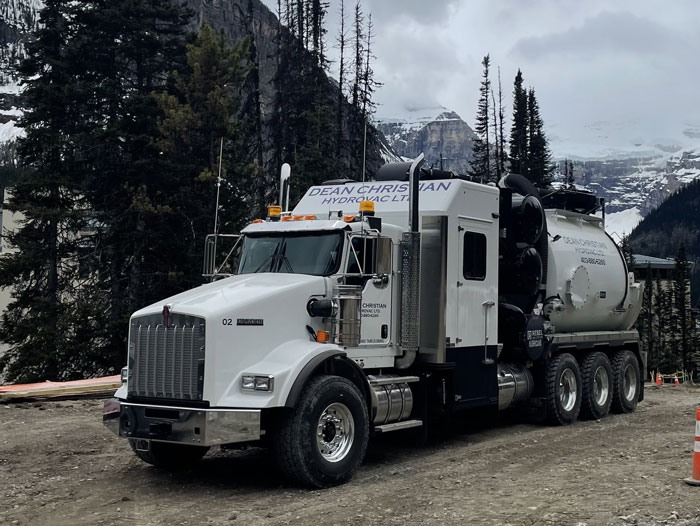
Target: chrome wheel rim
(335, 432)
(629, 383)
(601, 386)
(567, 390)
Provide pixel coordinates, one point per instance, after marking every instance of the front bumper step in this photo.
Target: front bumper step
(181, 425)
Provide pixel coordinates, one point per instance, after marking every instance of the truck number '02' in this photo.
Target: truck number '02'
(227, 321)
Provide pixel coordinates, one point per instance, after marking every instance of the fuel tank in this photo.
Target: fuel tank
(588, 285)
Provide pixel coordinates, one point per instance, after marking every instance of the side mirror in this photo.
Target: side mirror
(383, 266)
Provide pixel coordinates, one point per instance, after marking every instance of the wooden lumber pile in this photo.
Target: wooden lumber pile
(91, 387)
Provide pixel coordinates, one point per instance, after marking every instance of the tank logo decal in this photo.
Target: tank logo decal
(250, 321)
(588, 247)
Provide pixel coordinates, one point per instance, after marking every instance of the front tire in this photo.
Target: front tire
(169, 456)
(563, 390)
(626, 383)
(597, 385)
(324, 438)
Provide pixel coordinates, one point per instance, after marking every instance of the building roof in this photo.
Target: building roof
(642, 261)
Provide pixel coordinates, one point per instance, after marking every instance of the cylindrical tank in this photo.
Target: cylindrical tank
(587, 282)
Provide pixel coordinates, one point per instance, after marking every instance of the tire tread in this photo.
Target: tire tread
(619, 404)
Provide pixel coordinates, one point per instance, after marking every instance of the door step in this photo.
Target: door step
(398, 426)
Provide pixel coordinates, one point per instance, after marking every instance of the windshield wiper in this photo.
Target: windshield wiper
(270, 259)
(283, 259)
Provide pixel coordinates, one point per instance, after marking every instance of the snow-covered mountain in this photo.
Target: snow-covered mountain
(633, 174)
(441, 134)
(636, 181)
(18, 18)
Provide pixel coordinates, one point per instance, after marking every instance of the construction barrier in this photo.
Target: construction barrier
(91, 386)
(675, 378)
(695, 479)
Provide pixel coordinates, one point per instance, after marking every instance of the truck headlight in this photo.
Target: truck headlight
(257, 383)
(124, 374)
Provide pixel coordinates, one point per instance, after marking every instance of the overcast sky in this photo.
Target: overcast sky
(609, 73)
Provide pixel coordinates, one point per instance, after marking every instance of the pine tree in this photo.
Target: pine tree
(502, 154)
(125, 51)
(539, 157)
(35, 324)
(496, 143)
(519, 129)
(626, 250)
(681, 284)
(646, 319)
(569, 179)
(89, 125)
(341, 43)
(481, 166)
(11, 170)
(252, 112)
(202, 108)
(358, 67)
(662, 320)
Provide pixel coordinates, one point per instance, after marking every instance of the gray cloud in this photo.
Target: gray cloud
(607, 32)
(425, 12)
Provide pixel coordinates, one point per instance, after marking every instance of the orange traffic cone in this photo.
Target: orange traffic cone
(675, 380)
(659, 381)
(695, 479)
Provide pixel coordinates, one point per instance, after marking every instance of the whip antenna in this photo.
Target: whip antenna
(218, 191)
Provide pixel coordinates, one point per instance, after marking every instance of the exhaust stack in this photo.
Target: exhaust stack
(285, 173)
(410, 273)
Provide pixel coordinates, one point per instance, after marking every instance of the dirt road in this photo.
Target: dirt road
(58, 466)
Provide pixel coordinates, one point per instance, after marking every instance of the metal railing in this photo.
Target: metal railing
(220, 247)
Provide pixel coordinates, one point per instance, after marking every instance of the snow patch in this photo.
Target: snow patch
(411, 119)
(620, 224)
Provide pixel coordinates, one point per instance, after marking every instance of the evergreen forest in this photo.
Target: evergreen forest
(132, 123)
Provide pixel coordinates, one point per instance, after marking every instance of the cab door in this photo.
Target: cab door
(475, 353)
(367, 268)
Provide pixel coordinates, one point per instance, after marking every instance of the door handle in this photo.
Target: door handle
(487, 305)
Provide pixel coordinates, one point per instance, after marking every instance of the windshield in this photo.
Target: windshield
(317, 254)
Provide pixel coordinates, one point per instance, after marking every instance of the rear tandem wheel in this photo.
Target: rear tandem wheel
(626, 383)
(597, 388)
(563, 389)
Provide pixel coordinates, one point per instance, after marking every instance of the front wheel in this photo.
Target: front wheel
(626, 383)
(563, 390)
(324, 438)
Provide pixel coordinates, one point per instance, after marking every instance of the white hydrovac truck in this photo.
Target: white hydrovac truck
(440, 295)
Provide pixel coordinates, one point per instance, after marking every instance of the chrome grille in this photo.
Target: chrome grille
(167, 361)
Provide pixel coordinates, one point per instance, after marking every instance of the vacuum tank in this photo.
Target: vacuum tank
(588, 286)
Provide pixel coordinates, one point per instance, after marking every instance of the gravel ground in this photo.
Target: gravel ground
(59, 466)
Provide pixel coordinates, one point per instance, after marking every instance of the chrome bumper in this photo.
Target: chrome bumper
(183, 425)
